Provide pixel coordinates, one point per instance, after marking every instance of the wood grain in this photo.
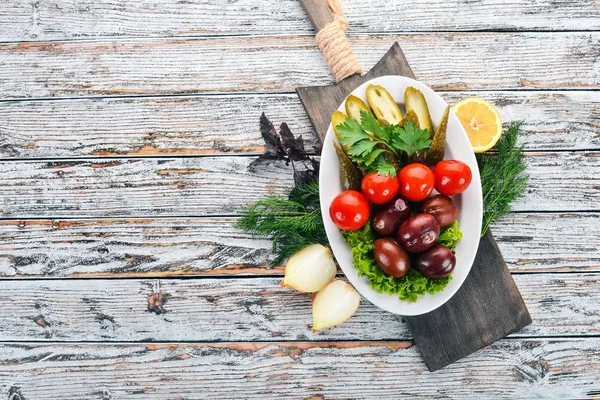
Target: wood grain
(451, 61)
(509, 369)
(487, 307)
(154, 126)
(66, 19)
(164, 247)
(221, 185)
(246, 309)
(131, 247)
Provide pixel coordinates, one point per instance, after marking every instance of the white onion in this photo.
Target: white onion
(310, 269)
(334, 304)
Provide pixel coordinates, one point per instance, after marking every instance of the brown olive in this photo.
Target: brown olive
(442, 208)
(437, 262)
(387, 219)
(419, 233)
(391, 257)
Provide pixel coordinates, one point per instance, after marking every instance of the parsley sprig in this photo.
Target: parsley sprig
(371, 145)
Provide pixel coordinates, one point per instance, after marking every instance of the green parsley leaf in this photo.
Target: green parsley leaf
(369, 123)
(368, 144)
(351, 132)
(410, 139)
(383, 167)
(373, 156)
(362, 148)
(386, 132)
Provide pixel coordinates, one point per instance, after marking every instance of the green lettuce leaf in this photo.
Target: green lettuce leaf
(450, 236)
(407, 288)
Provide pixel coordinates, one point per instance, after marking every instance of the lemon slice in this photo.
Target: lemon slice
(481, 120)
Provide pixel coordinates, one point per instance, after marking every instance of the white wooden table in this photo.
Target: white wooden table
(126, 129)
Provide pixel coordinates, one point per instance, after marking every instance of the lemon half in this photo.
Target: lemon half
(481, 120)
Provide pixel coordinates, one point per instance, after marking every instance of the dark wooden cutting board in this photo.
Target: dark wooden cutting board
(488, 306)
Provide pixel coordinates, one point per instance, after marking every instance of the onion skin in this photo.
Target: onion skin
(310, 269)
(333, 305)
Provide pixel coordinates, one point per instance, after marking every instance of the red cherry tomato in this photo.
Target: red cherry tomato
(451, 177)
(416, 182)
(349, 210)
(379, 189)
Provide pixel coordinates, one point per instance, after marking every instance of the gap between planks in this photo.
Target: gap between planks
(313, 343)
(216, 155)
(261, 94)
(354, 34)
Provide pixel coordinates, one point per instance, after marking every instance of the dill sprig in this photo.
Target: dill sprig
(292, 223)
(502, 177)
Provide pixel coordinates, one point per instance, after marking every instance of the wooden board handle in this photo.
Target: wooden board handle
(318, 13)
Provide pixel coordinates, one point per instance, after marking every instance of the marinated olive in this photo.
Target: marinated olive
(419, 232)
(442, 208)
(388, 218)
(391, 258)
(437, 262)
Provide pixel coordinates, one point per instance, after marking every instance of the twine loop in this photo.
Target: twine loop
(334, 44)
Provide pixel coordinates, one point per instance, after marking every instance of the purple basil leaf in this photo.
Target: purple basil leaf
(263, 159)
(301, 177)
(270, 137)
(294, 149)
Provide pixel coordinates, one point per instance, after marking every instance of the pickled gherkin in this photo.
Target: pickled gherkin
(383, 105)
(415, 100)
(338, 118)
(438, 144)
(354, 106)
(410, 116)
(349, 175)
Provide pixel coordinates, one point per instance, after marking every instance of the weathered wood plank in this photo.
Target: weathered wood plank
(450, 61)
(147, 126)
(189, 125)
(132, 247)
(508, 369)
(65, 19)
(220, 185)
(212, 246)
(549, 242)
(229, 124)
(246, 309)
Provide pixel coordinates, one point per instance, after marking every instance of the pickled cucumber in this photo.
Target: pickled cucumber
(411, 115)
(338, 118)
(414, 100)
(349, 175)
(438, 144)
(354, 106)
(383, 105)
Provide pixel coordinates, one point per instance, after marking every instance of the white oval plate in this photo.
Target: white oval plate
(470, 203)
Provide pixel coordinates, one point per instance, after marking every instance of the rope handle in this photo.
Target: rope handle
(334, 44)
